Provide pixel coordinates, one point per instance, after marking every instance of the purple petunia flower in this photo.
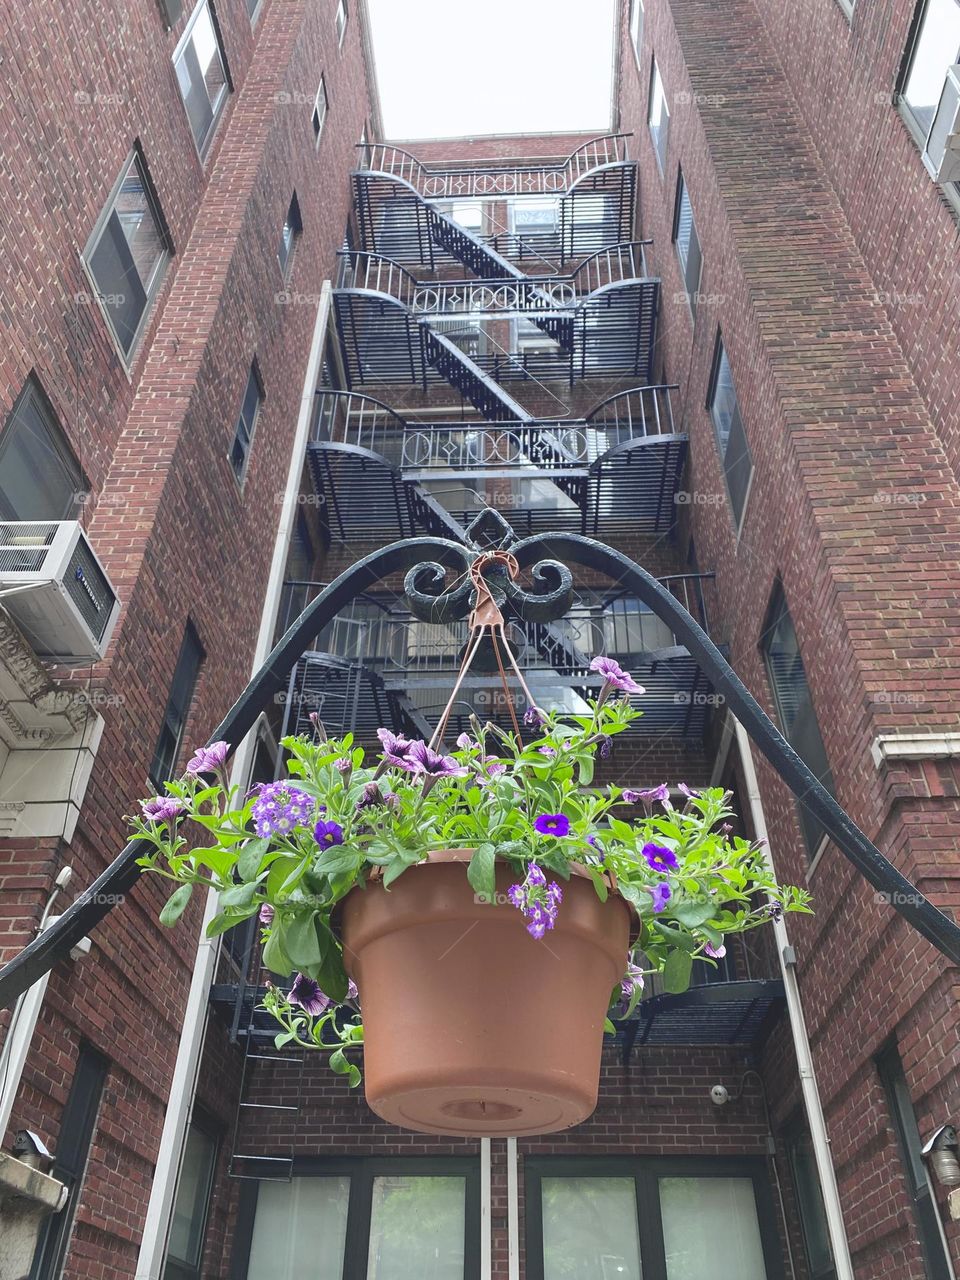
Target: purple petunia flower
(659, 857)
(604, 747)
(466, 743)
(547, 751)
(328, 834)
(161, 809)
(208, 759)
(534, 718)
(266, 914)
(716, 953)
(279, 808)
(352, 991)
(423, 759)
(495, 767)
(538, 901)
(632, 980)
(306, 993)
(688, 791)
(343, 765)
(661, 895)
(395, 747)
(615, 676)
(370, 796)
(552, 824)
(647, 795)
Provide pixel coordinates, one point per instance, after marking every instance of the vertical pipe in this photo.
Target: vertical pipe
(513, 1212)
(816, 1122)
(486, 1212)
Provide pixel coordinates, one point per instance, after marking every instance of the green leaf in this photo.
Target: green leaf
(274, 957)
(227, 919)
(354, 1077)
(241, 895)
(482, 872)
(396, 868)
(339, 1063)
(300, 941)
(693, 914)
(220, 861)
(176, 905)
(331, 974)
(677, 971)
(251, 855)
(586, 770)
(599, 882)
(608, 1028)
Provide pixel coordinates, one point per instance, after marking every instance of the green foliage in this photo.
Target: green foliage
(700, 885)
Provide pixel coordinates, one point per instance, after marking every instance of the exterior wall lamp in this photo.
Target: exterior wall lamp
(940, 1153)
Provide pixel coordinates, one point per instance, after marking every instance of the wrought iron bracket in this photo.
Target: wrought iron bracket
(546, 556)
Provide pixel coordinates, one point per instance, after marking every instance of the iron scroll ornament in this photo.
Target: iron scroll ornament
(546, 555)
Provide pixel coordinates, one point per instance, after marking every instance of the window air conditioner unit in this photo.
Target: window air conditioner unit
(55, 589)
(941, 154)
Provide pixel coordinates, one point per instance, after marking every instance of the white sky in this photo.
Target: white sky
(456, 68)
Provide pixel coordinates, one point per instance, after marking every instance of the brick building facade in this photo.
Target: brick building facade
(755, 405)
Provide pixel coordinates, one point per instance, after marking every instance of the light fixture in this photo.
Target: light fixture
(940, 1152)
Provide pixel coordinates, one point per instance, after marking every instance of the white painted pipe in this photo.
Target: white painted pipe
(816, 1122)
(513, 1211)
(153, 1246)
(486, 1212)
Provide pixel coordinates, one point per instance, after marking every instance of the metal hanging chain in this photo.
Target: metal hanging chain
(486, 617)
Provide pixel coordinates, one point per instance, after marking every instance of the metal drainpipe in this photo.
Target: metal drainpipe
(156, 1227)
(798, 1027)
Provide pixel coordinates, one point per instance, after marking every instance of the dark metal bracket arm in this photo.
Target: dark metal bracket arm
(545, 555)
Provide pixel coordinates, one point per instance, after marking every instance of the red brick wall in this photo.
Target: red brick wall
(177, 536)
(854, 503)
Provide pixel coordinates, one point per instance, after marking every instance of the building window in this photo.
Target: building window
(658, 117)
(77, 1127)
(320, 110)
(794, 706)
(246, 424)
(847, 6)
(201, 75)
(40, 479)
(253, 10)
(343, 15)
(177, 709)
(925, 97)
(358, 1217)
(127, 254)
(636, 26)
(688, 244)
(925, 1212)
(813, 1215)
(189, 1224)
(729, 430)
(623, 1218)
(292, 227)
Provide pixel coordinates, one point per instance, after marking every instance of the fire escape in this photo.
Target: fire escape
(504, 361)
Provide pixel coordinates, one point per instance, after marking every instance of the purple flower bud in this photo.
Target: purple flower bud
(534, 718)
(661, 895)
(615, 676)
(162, 809)
(647, 795)
(208, 759)
(266, 914)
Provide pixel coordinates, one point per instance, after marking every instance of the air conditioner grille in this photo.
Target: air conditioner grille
(88, 588)
(23, 548)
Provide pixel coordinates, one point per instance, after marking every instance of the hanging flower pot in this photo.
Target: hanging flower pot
(471, 1025)
(467, 917)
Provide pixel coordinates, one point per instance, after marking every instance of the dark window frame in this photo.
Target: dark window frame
(659, 133)
(903, 1118)
(361, 1170)
(217, 108)
(684, 254)
(172, 712)
(179, 1268)
(78, 1128)
(344, 7)
(136, 157)
(813, 831)
(293, 220)
(33, 394)
(636, 36)
(646, 1170)
(317, 121)
(249, 429)
(808, 1196)
(738, 502)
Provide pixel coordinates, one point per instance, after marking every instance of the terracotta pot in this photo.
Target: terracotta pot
(472, 1027)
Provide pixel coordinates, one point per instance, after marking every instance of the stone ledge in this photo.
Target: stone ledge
(20, 1181)
(889, 747)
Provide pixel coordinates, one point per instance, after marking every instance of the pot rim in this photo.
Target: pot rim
(460, 854)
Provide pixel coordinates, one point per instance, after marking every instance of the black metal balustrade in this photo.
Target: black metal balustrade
(618, 468)
(376, 664)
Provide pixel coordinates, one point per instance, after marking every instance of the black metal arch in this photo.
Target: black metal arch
(549, 596)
